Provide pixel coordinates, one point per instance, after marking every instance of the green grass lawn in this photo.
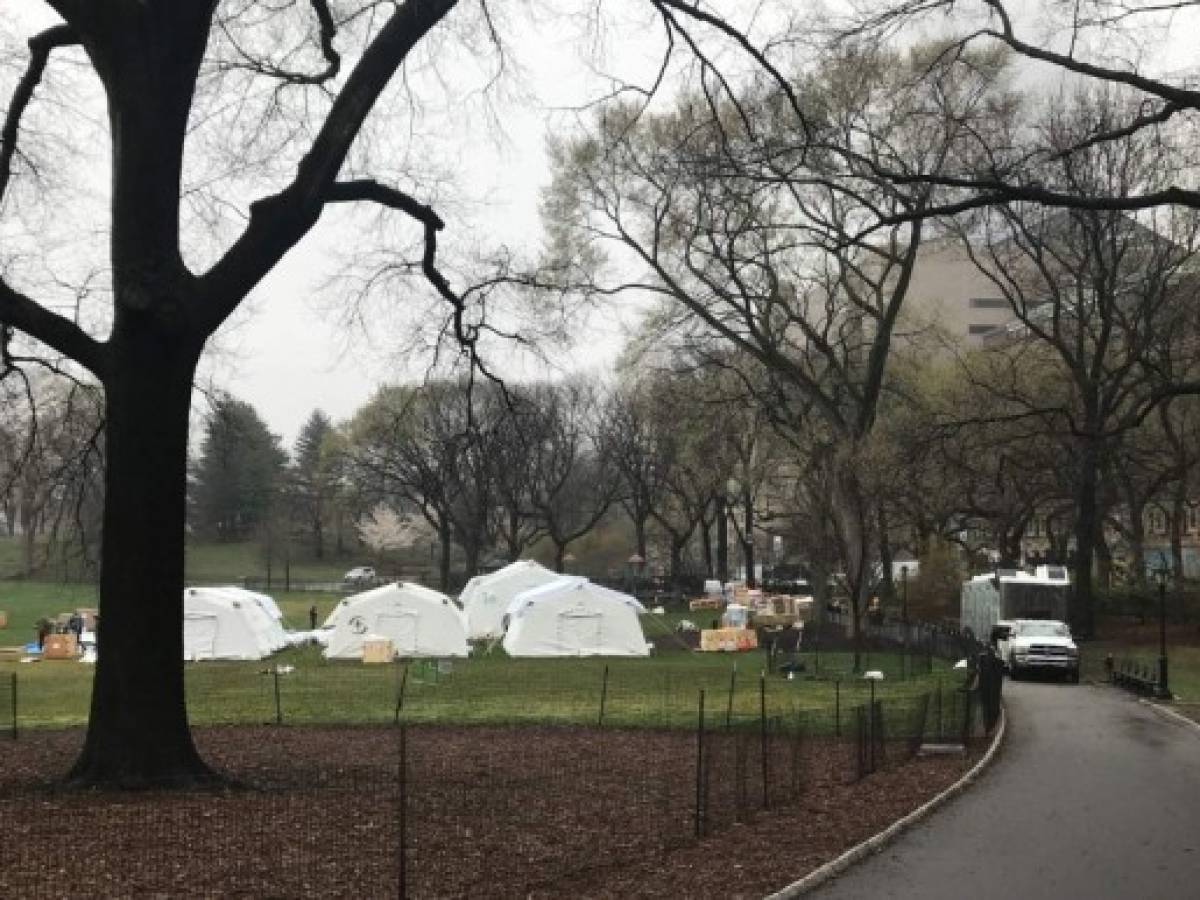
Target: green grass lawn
(1183, 662)
(209, 562)
(487, 688)
(494, 689)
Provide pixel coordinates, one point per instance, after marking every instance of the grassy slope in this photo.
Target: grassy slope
(489, 687)
(232, 562)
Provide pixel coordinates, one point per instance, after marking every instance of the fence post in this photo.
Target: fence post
(837, 707)
(403, 823)
(700, 769)
(278, 705)
(968, 695)
(603, 696)
(940, 734)
(762, 729)
(729, 702)
(871, 727)
(14, 706)
(400, 694)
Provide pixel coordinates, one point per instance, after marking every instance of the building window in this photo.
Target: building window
(980, 329)
(989, 303)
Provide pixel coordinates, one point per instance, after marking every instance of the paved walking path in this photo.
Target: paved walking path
(1093, 796)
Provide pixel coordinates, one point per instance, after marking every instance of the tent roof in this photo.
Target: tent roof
(568, 586)
(520, 568)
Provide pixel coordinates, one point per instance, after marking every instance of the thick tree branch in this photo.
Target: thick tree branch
(20, 312)
(40, 46)
(278, 222)
(1173, 95)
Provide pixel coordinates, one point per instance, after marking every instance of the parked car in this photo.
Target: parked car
(360, 575)
(1042, 645)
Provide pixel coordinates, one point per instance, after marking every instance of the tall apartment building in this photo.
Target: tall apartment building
(950, 296)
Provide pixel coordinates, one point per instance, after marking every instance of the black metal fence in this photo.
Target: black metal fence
(9, 705)
(1135, 675)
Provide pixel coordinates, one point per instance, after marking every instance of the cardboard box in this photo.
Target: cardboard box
(706, 603)
(60, 646)
(377, 650)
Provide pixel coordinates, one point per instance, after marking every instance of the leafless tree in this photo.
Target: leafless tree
(744, 215)
(266, 101)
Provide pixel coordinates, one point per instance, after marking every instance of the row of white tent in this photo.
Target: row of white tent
(537, 612)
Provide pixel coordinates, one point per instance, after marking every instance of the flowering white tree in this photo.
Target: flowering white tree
(384, 530)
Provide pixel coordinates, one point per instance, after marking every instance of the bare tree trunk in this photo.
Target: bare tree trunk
(444, 560)
(706, 547)
(1178, 521)
(722, 540)
(1086, 523)
(748, 539)
(138, 731)
(887, 588)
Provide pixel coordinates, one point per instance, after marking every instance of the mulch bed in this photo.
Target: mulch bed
(545, 812)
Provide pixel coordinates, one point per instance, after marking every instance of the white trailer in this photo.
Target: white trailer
(1014, 594)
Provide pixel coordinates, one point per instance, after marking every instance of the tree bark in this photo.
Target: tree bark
(138, 733)
(1086, 523)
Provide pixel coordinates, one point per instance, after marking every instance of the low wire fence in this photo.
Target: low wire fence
(439, 778)
(420, 808)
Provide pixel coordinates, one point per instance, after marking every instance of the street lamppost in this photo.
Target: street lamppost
(636, 561)
(1164, 692)
(904, 614)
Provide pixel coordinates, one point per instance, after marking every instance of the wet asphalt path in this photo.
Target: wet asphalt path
(1093, 796)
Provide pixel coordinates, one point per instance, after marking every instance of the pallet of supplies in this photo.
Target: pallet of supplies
(377, 650)
(728, 640)
(60, 646)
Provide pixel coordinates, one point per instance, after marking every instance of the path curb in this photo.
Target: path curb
(1169, 713)
(877, 842)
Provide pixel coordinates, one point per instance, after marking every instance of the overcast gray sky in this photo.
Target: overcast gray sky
(287, 352)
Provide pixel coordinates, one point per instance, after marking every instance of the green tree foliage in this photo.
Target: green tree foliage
(237, 478)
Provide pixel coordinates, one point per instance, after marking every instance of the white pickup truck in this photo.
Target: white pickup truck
(1039, 645)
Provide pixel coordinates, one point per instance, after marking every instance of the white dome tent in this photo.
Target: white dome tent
(229, 623)
(486, 597)
(419, 622)
(573, 617)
